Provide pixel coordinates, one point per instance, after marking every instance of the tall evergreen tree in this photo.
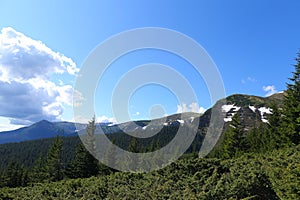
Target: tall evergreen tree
(133, 159)
(54, 161)
(38, 171)
(12, 174)
(111, 155)
(85, 164)
(291, 109)
(89, 137)
(276, 137)
(232, 142)
(15, 175)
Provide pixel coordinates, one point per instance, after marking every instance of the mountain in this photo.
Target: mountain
(251, 109)
(45, 129)
(39, 130)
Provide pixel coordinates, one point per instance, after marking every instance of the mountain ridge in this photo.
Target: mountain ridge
(249, 107)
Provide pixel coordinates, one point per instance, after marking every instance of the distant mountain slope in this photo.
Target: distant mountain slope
(39, 130)
(251, 109)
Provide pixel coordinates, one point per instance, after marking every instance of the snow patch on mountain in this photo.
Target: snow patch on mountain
(192, 119)
(228, 119)
(227, 108)
(252, 108)
(263, 111)
(230, 110)
(180, 121)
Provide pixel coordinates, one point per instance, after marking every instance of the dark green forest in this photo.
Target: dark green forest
(261, 163)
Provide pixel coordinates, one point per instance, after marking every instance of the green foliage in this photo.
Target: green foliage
(291, 109)
(85, 164)
(38, 171)
(111, 156)
(14, 175)
(28, 152)
(251, 176)
(232, 142)
(53, 165)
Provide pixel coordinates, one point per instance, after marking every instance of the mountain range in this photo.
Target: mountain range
(251, 109)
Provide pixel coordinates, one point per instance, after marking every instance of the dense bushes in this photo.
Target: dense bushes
(251, 176)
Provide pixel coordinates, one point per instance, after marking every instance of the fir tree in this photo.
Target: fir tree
(12, 174)
(38, 171)
(231, 144)
(54, 161)
(133, 159)
(111, 156)
(291, 109)
(276, 137)
(85, 164)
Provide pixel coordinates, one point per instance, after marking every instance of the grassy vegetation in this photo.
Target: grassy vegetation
(274, 175)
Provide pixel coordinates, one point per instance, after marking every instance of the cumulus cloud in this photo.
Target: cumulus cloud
(270, 89)
(6, 126)
(193, 107)
(27, 92)
(77, 98)
(104, 119)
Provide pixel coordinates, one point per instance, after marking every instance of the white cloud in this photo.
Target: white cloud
(193, 107)
(270, 89)
(27, 91)
(5, 126)
(77, 98)
(104, 119)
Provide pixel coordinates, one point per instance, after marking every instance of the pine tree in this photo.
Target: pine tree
(54, 161)
(12, 174)
(259, 139)
(85, 164)
(276, 137)
(133, 159)
(38, 171)
(133, 145)
(232, 142)
(291, 109)
(111, 156)
(24, 177)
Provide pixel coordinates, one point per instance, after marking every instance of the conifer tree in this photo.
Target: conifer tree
(12, 174)
(38, 171)
(111, 156)
(85, 164)
(291, 109)
(276, 137)
(133, 159)
(231, 144)
(54, 161)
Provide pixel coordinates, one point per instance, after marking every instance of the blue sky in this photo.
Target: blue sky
(253, 43)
